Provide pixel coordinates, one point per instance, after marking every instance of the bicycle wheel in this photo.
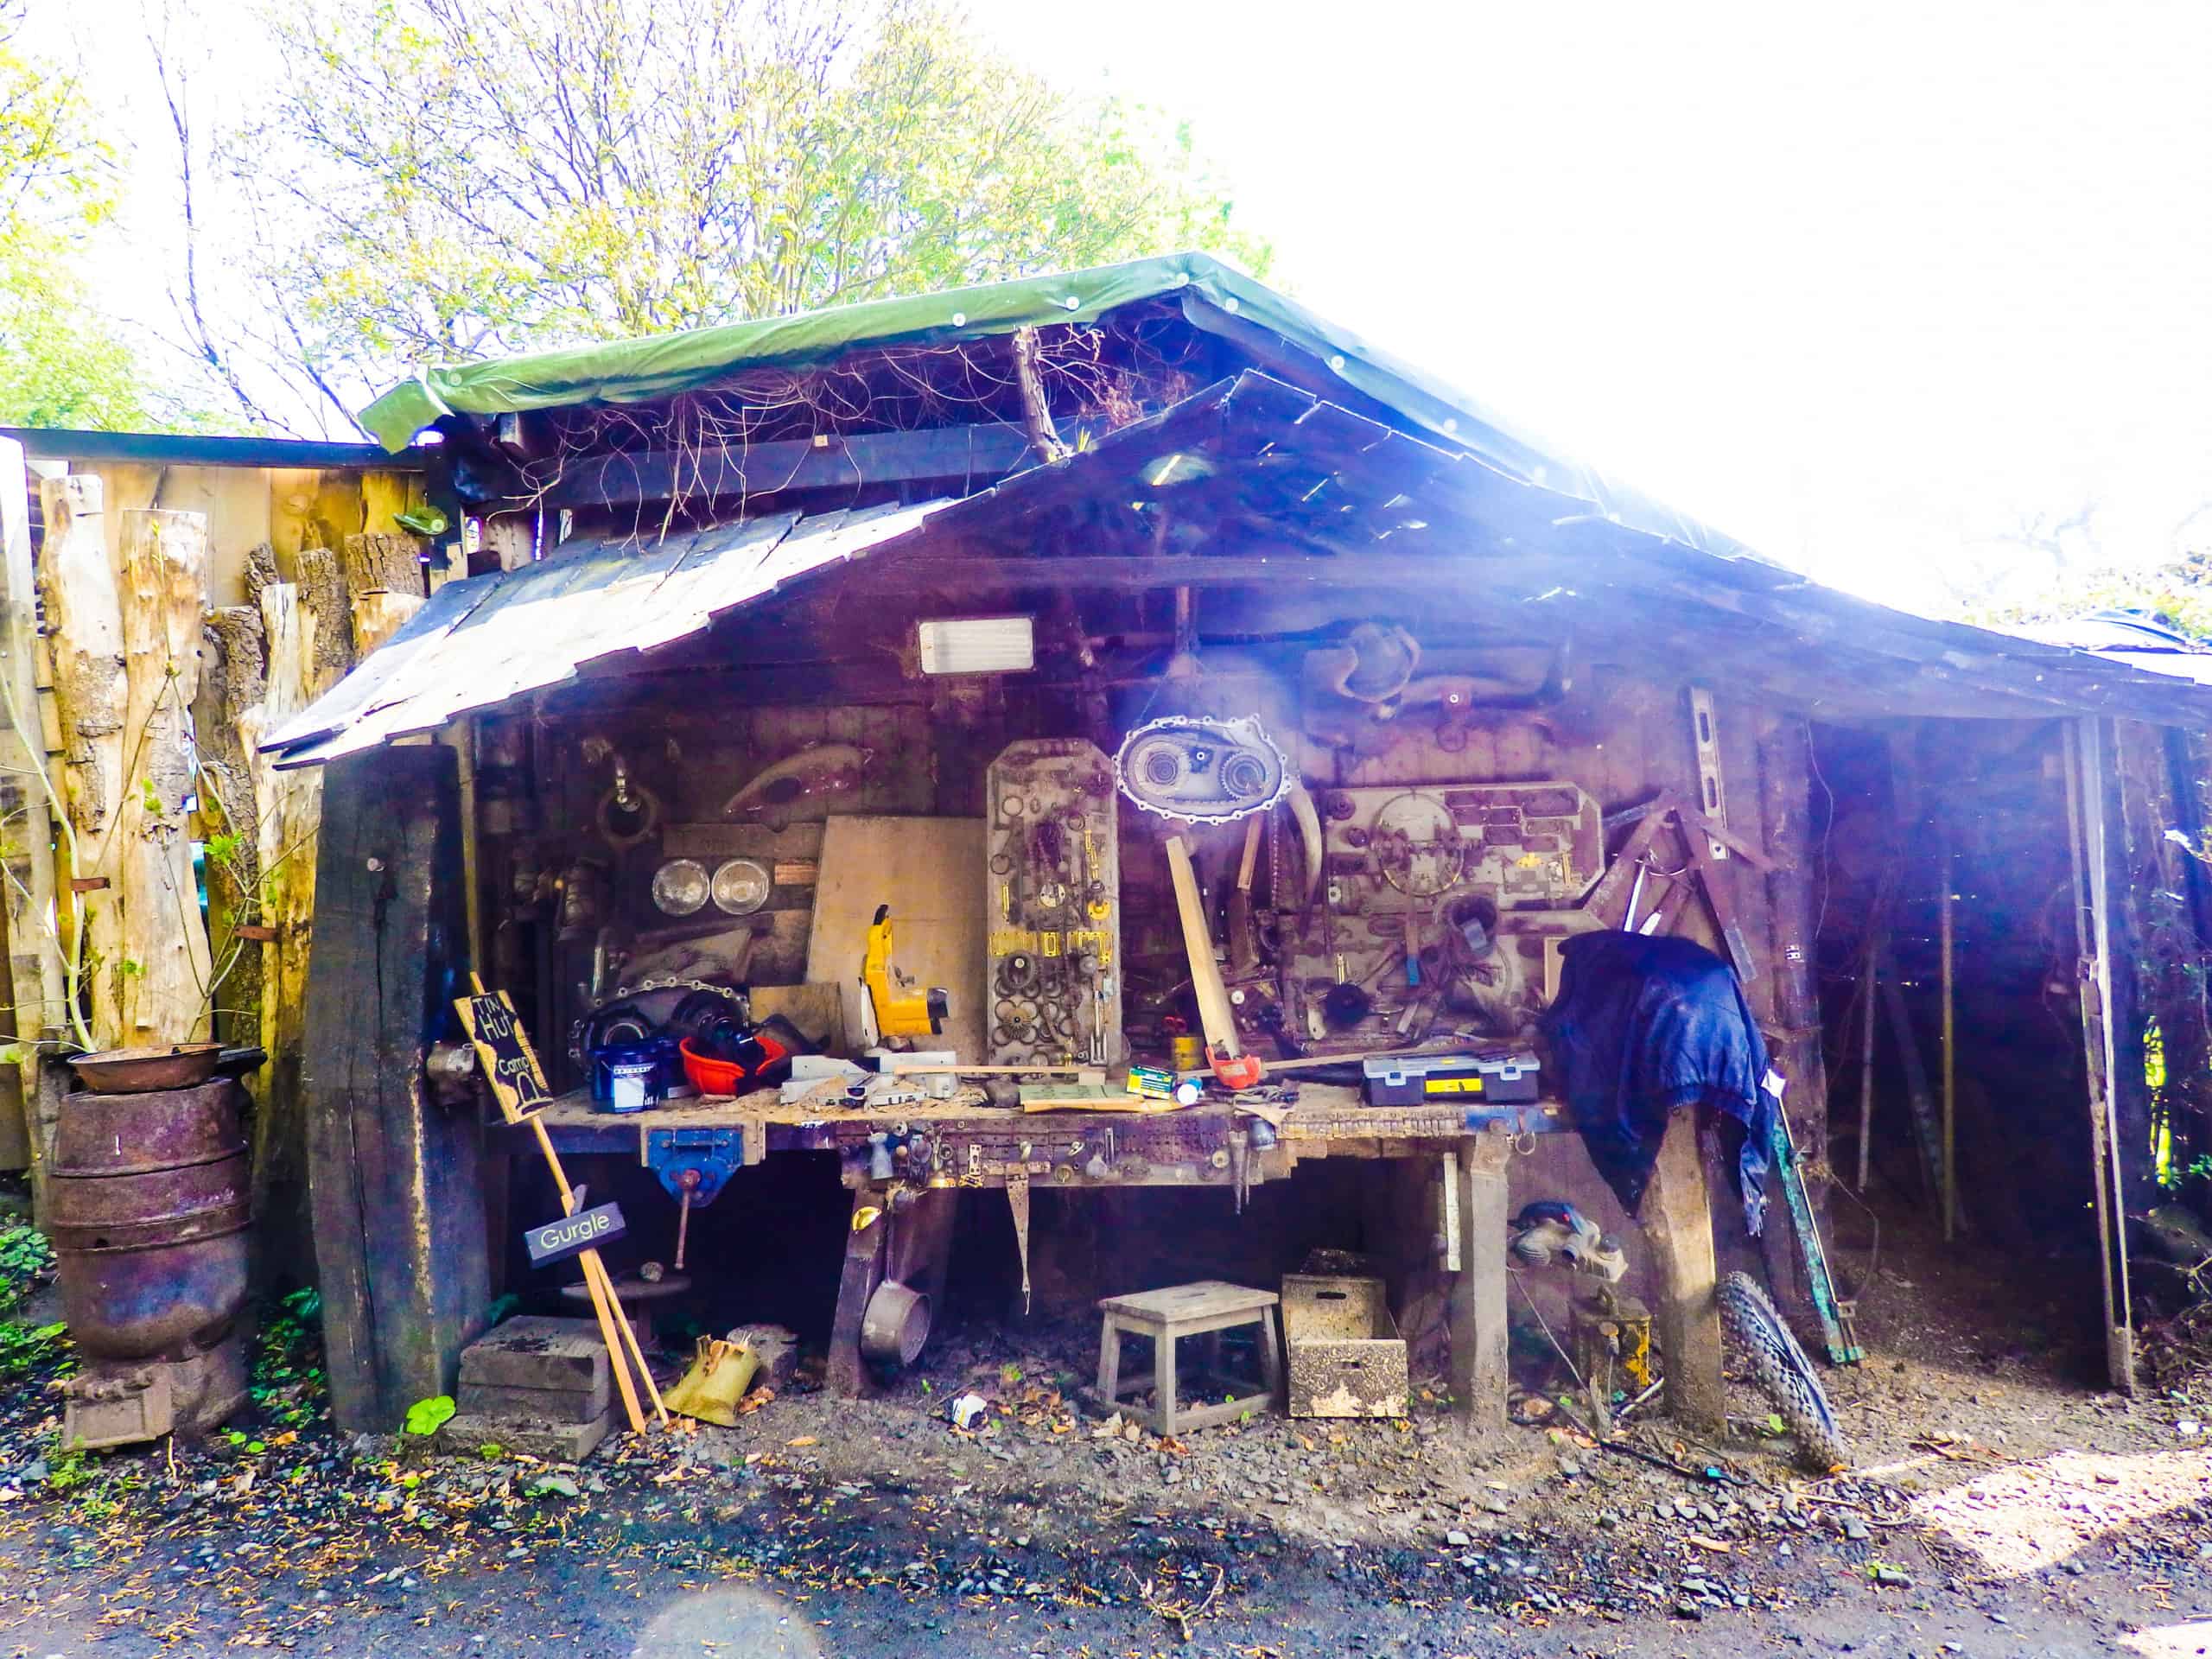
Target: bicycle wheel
(1783, 1371)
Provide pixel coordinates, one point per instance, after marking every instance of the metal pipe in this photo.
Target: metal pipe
(1950, 1055)
(1870, 987)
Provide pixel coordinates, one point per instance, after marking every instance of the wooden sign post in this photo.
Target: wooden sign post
(519, 1084)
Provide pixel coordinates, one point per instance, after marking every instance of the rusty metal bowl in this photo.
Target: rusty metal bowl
(179, 1065)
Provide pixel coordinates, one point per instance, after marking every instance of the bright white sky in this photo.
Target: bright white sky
(1860, 285)
(1863, 286)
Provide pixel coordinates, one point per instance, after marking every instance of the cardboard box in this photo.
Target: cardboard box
(1343, 1353)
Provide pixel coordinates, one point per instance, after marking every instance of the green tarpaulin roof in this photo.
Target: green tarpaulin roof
(633, 370)
(1215, 297)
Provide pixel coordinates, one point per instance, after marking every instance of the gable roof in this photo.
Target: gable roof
(1406, 513)
(1215, 297)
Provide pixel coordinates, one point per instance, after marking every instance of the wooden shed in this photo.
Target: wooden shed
(802, 618)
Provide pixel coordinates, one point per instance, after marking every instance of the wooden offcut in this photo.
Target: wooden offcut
(226, 723)
(164, 975)
(288, 810)
(384, 584)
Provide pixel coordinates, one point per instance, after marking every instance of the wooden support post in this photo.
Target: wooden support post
(166, 972)
(1477, 1310)
(2087, 820)
(1785, 766)
(84, 621)
(1677, 1219)
(921, 1250)
(848, 1374)
(400, 1223)
(289, 808)
(28, 795)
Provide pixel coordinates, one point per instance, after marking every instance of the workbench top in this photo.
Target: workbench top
(1321, 1112)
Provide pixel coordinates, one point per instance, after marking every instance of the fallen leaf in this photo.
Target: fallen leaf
(804, 1440)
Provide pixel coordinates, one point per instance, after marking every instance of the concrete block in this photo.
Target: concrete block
(535, 1351)
(536, 1405)
(465, 1433)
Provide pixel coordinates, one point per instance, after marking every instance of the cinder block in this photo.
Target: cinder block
(536, 1405)
(537, 1352)
(466, 1434)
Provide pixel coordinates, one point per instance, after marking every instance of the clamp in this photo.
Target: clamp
(710, 1155)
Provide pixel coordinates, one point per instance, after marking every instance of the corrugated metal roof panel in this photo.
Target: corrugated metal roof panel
(484, 642)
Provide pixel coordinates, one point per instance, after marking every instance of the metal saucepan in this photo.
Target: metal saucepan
(895, 1325)
(179, 1065)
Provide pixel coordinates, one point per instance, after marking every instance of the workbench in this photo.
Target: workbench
(964, 1142)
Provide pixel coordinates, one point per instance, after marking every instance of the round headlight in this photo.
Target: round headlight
(742, 886)
(680, 887)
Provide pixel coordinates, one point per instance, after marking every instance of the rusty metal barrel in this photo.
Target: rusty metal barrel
(147, 1201)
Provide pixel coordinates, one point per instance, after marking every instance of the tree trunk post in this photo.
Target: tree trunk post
(166, 971)
(83, 620)
(26, 827)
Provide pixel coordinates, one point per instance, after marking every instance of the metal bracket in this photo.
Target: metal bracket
(714, 1153)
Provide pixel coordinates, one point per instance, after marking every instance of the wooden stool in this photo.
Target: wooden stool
(1204, 1309)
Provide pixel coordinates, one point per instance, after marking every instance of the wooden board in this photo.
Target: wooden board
(400, 1233)
(930, 871)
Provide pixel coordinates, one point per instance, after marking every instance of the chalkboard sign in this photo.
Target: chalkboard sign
(503, 1046)
(573, 1235)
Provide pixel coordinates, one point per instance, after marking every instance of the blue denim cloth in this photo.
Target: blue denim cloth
(1642, 1025)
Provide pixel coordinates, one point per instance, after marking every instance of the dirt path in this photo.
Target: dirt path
(722, 1567)
(1996, 1503)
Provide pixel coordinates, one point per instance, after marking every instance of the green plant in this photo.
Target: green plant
(27, 1348)
(25, 1259)
(65, 1471)
(426, 1416)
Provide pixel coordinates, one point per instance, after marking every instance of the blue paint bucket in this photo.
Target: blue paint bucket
(629, 1077)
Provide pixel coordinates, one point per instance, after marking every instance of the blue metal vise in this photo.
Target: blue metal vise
(715, 1154)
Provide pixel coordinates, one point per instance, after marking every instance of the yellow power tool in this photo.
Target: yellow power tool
(900, 1009)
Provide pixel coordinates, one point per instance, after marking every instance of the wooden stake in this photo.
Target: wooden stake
(622, 1349)
(1214, 1011)
(602, 1298)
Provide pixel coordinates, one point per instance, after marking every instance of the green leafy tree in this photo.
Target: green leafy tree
(61, 362)
(459, 178)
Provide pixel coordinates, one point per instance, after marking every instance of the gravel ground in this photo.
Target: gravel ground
(1996, 1505)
